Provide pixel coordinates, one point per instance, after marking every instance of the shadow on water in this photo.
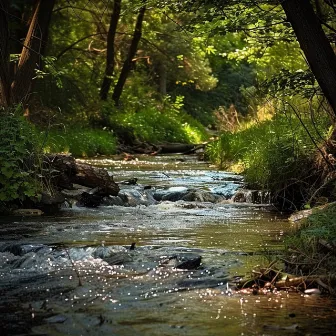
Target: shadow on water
(178, 279)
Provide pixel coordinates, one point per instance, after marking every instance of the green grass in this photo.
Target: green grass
(81, 142)
(320, 225)
(159, 125)
(271, 154)
(311, 247)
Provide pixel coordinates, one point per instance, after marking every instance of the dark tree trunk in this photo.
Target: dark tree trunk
(162, 79)
(32, 51)
(314, 44)
(110, 55)
(131, 53)
(4, 54)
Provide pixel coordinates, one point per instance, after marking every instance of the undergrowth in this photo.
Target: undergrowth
(276, 154)
(154, 121)
(80, 142)
(20, 166)
(311, 248)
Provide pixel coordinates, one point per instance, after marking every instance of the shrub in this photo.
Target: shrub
(19, 157)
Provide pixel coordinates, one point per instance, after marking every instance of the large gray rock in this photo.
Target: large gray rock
(132, 197)
(252, 196)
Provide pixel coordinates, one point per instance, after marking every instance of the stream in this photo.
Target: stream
(75, 274)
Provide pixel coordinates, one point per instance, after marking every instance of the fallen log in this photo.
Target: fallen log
(93, 177)
(175, 148)
(63, 171)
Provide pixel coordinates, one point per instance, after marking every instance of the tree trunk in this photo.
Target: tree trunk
(110, 55)
(314, 44)
(163, 79)
(4, 54)
(33, 48)
(128, 62)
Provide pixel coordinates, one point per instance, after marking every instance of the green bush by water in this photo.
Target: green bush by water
(81, 142)
(154, 122)
(19, 158)
(320, 225)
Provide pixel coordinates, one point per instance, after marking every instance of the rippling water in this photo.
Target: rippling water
(74, 274)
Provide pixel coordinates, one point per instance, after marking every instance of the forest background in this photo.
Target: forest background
(91, 77)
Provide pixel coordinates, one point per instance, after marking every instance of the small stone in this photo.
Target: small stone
(312, 291)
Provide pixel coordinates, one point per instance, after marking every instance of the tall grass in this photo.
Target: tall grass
(276, 154)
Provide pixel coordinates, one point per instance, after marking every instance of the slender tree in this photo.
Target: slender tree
(127, 66)
(4, 54)
(110, 54)
(33, 47)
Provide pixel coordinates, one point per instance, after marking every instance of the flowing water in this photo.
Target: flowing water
(74, 274)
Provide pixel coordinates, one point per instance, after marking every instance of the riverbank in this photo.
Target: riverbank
(287, 155)
(311, 248)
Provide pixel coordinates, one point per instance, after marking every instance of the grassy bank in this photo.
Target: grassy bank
(311, 247)
(100, 131)
(272, 153)
(154, 122)
(80, 142)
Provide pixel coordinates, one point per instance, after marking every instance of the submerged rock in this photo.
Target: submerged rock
(22, 249)
(172, 194)
(27, 212)
(175, 194)
(187, 261)
(252, 196)
(133, 197)
(228, 190)
(202, 196)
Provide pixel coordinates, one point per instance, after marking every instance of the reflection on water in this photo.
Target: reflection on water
(143, 291)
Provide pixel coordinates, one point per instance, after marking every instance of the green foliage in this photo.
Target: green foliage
(287, 83)
(156, 123)
(19, 161)
(320, 225)
(272, 153)
(81, 142)
(313, 241)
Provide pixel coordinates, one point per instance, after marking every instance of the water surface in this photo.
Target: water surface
(141, 292)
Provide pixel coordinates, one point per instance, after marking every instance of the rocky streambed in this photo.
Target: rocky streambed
(196, 231)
